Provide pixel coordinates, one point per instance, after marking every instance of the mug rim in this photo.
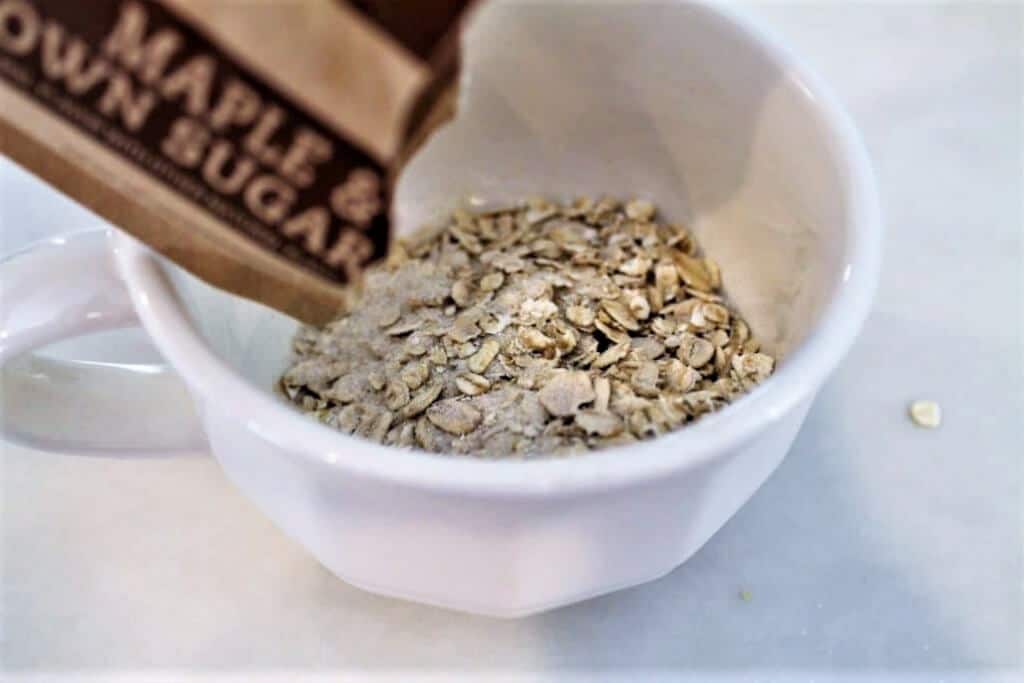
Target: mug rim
(714, 435)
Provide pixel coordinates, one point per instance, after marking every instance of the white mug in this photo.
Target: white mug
(684, 103)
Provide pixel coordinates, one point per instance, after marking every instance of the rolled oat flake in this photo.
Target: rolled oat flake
(927, 414)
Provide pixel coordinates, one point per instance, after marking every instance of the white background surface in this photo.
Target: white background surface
(877, 551)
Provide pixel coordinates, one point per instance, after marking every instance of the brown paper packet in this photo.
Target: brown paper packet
(253, 143)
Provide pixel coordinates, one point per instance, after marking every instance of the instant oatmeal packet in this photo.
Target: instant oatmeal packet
(254, 144)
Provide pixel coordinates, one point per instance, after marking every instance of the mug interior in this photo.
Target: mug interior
(675, 102)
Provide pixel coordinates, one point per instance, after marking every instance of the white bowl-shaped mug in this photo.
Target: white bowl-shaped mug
(684, 103)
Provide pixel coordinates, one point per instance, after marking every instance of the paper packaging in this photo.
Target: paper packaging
(254, 144)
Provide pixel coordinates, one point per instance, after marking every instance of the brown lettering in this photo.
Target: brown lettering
(19, 27)
(186, 143)
(125, 44)
(257, 143)
(311, 223)
(221, 157)
(238, 105)
(64, 59)
(350, 252)
(194, 80)
(119, 99)
(358, 198)
(306, 150)
(269, 198)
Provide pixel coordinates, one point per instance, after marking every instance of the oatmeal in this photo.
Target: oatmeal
(531, 330)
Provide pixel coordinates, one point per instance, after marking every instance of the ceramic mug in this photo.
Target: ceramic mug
(689, 105)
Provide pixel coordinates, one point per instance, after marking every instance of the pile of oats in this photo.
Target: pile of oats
(531, 330)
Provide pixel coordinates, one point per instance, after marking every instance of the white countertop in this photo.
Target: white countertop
(878, 551)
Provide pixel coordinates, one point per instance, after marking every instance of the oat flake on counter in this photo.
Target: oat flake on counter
(926, 414)
(531, 330)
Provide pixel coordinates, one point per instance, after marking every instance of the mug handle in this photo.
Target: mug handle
(67, 287)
